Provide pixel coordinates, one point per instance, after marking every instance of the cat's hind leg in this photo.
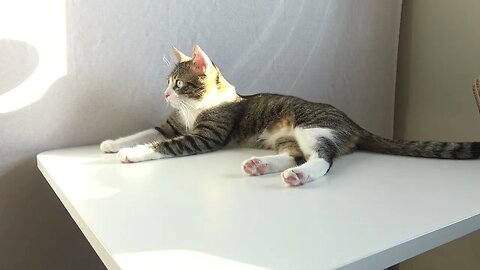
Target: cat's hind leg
(267, 164)
(319, 145)
(289, 155)
(311, 170)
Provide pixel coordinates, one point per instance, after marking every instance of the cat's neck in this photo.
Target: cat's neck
(217, 96)
(224, 92)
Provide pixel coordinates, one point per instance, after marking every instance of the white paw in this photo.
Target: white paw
(137, 154)
(109, 146)
(294, 177)
(311, 170)
(255, 166)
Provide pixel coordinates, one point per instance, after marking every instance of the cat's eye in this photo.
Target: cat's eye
(179, 84)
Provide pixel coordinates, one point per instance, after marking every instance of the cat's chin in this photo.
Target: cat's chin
(172, 105)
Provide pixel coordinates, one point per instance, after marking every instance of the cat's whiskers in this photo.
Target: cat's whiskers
(166, 108)
(184, 104)
(188, 112)
(191, 106)
(191, 114)
(185, 117)
(166, 61)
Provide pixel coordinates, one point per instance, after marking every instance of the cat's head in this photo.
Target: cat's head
(196, 82)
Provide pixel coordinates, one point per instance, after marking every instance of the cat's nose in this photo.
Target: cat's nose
(167, 94)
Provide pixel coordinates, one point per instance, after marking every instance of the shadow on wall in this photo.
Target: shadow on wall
(35, 230)
(39, 232)
(54, 98)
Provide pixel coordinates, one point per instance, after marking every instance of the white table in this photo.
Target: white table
(201, 212)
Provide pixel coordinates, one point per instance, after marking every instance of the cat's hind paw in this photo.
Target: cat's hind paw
(313, 169)
(295, 178)
(254, 166)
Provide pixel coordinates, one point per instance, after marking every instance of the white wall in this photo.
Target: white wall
(77, 72)
(439, 59)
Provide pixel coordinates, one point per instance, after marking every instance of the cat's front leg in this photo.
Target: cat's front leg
(197, 142)
(208, 135)
(139, 153)
(171, 128)
(110, 146)
(113, 146)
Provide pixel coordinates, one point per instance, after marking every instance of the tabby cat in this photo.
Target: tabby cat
(307, 136)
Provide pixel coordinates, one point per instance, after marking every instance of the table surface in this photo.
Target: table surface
(200, 212)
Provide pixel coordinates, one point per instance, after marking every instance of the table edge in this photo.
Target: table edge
(380, 259)
(102, 251)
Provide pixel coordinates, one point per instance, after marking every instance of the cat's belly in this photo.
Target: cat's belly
(267, 139)
(252, 142)
(270, 136)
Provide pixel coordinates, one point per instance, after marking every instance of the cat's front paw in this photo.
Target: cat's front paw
(109, 146)
(137, 154)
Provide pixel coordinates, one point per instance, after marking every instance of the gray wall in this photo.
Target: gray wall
(439, 56)
(77, 72)
(439, 59)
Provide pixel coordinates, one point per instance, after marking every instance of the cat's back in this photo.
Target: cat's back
(265, 111)
(274, 105)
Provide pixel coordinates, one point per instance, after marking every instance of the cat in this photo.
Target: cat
(476, 91)
(307, 136)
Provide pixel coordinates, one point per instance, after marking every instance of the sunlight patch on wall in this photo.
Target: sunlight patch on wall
(42, 25)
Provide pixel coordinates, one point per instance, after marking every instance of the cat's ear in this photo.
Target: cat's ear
(201, 62)
(181, 57)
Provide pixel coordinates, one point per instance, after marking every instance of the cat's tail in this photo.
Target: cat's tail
(445, 150)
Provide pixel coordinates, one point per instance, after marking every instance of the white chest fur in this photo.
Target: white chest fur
(189, 110)
(188, 116)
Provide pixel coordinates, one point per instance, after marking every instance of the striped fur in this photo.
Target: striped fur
(209, 115)
(476, 91)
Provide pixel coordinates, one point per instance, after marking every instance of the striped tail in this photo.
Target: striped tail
(445, 150)
(476, 91)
